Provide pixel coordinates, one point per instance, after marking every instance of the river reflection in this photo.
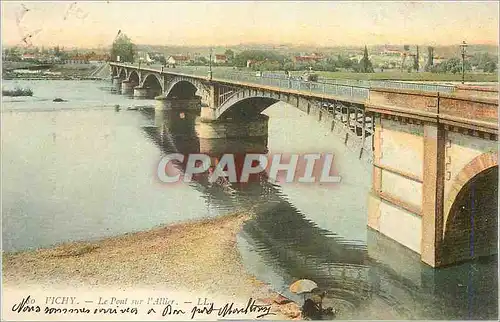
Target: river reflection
(375, 279)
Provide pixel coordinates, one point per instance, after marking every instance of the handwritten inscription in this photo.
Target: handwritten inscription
(231, 308)
(70, 305)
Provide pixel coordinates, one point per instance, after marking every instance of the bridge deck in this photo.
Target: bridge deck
(321, 91)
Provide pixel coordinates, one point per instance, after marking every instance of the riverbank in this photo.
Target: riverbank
(198, 257)
(17, 92)
(52, 72)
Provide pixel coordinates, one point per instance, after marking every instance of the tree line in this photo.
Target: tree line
(266, 60)
(482, 62)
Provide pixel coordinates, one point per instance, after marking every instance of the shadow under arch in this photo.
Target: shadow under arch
(247, 107)
(122, 74)
(114, 71)
(182, 90)
(153, 83)
(133, 77)
(472, 224)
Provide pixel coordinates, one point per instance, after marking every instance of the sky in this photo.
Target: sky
(210, 23)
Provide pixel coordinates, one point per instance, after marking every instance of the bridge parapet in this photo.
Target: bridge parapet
(459, 110)
(478, 91)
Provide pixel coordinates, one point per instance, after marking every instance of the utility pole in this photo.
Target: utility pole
(463, 46)
(210, 65)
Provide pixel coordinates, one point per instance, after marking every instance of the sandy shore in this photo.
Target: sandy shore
(199, 256)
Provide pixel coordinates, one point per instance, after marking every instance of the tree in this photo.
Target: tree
(452, 65)
(430, 59)
(123, 47)
(240, 59)
(229, 54)
(416, 61)
(489, 67)
(344, 62)
(162, 60)
(57, 51)
(365, 65)
(484, 61)
(328, 64)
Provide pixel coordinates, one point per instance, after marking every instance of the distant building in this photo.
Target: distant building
(77, 59)
(357, 58)
(157, 57)
(220, 59)
(310, 58)
(28, 56)
(145, 57)
(178, 60)
(391, 51)
(438, 59)
(94, 59)
(251, 63)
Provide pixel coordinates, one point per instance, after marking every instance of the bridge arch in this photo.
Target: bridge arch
(471, 211)
(122, 73)
(114, 71)
(240, 107)
(154, 83)
(181, 89)
(134, 77)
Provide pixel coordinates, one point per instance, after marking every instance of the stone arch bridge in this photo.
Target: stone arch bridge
(433, 155)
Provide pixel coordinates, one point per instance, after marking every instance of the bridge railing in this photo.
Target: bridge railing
(274, 80)
(376, 83)
(249, 76)
(355, 92)
(391, 84)
(345, 82)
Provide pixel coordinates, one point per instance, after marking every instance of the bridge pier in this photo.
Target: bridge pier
(127, 87)
(163, 103)
(141, 92)
(117, 84)
(223, 129)
(208, 113)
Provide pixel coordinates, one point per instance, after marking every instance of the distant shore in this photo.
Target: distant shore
(52, 78)
(198, 256)
(50, 72)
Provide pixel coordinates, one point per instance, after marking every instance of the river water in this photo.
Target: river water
(79, 170)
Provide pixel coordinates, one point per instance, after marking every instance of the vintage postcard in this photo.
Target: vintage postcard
(249, 160)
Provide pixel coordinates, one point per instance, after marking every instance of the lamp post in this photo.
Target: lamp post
(140, 61)
(210, 65)
(463, 47)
